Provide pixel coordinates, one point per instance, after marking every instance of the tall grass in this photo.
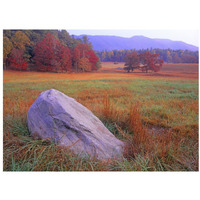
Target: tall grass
(159, 149)
(158, 126)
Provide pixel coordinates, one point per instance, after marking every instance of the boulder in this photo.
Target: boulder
(61, 119)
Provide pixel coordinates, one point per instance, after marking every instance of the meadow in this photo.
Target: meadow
(156, 114)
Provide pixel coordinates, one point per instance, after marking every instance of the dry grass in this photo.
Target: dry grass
(185, 71)
(169, 71)
(156, 116)
(164, 149)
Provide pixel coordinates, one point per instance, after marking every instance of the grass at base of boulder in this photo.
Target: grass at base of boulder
(144, 151)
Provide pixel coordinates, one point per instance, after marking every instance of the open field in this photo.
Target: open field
(156, 114)
(186, 71)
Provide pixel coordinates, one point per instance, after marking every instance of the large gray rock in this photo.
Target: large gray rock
(57, 117)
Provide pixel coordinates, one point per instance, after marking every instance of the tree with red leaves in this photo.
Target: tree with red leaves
(150, 61)
(84, 50)
(65, 58)
(16, 60)
(144, 61)
(51, 55)
(93, 59)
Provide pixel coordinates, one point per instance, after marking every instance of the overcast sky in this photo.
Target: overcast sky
(188, 36)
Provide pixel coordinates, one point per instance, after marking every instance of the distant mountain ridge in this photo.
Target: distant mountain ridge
(106, 42)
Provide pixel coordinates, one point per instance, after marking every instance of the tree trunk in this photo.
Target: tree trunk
(5, 62)
(76, 64)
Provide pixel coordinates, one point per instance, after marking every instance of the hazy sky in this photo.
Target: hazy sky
(188, 36)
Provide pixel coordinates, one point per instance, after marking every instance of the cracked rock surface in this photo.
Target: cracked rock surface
(62, 119)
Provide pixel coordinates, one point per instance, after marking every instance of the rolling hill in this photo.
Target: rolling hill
(101, 42)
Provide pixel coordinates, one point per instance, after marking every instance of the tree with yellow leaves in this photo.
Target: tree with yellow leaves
(20, 40)
(7, 47)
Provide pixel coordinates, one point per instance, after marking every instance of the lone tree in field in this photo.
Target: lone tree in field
(150, 62)
(145, 62)
(131, 61)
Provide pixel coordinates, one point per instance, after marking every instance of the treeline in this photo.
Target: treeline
(47, 50)
(168, 55)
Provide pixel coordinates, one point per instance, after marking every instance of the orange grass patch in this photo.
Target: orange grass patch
(169, 71)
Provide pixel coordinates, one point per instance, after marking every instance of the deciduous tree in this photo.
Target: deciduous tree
(84, 65)
(16, 60)
(84, 51)
(150, 61)
(20, 40)
(65, 57)
(75, 58)
(7, 47)
(131, 61)
(93, 59)
(51, 55)
(66, 39)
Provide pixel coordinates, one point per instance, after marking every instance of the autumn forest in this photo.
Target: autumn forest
(51, 51)
(57, 51)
